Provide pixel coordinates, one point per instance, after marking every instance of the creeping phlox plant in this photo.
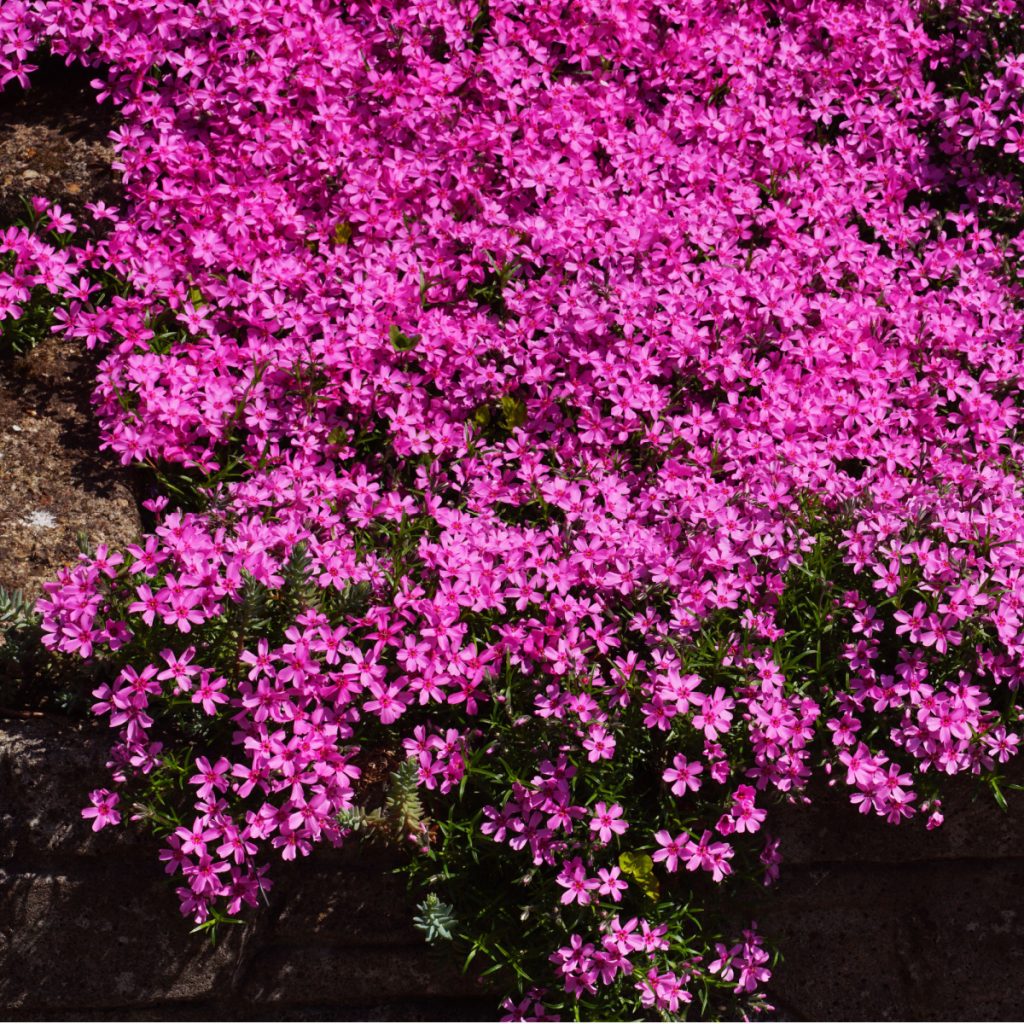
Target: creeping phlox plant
(610, 409)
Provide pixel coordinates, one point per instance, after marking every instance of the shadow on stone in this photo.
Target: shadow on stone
(89, 921)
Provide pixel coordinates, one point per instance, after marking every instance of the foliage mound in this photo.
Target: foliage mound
(611, 410)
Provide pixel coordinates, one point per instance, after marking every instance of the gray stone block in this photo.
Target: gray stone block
(924, 941)
(326, 975)
(105, 938)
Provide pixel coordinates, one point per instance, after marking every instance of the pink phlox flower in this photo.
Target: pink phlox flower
(608, 821)
(210, 778)
(209, 693)
(578, 886)
(715, 713)
(683, 775)
(611, 883)
(672, 850)
(599, 744)
(103, 810)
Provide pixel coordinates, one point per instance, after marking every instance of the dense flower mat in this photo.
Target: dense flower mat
(611, 406)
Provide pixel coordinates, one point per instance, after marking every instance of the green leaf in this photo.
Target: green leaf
(640, 868)
(402, 342)
(513, 412)
(997, 792)
(342, 233)
(481, 416)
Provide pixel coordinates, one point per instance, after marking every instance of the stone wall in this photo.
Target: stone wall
(878, 922)
(89, 926)
(874, 922)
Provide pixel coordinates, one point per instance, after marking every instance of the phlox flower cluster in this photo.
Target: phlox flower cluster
(650, 369)
(30, 265)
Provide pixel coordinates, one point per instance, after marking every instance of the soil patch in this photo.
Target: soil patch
(54, 141)
(55, 484)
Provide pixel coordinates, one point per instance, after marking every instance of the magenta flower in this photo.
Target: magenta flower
(578, 887)
(532, 382)
(672, 849)
(607, 821)
(684, 775)
(103, 810)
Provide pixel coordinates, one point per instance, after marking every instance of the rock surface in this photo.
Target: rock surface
(89, 922)
(877, 922)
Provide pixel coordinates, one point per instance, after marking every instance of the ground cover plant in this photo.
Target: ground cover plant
(609, 409)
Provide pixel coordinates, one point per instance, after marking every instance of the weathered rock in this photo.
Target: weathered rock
(923, 941)
(105, 935)
(48, 766)
(875, 923)
(326, 975)
(349, 907)
(90, 921)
